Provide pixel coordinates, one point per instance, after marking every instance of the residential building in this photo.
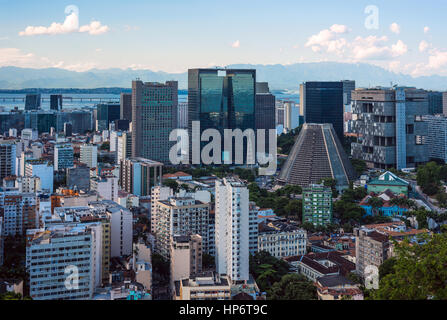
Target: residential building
(105, 187)
(206, 286)
(154, 116)
(232, 229)
(323, 102)
(186, 257)
(252, 228)
(142, 265)
(158, 193)
(55, 253)
(317, 205)
(124, 147)
(20, 212)
(282, 239)
(28, 184)
(7, 158)
(89, 155)
(2, 250)
(390, 127)
(42, 169)
(317, 154)
(336, 287)
(63, 157)
(139, 175)
(180, 216)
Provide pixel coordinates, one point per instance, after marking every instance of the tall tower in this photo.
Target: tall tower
(232, 229)
(154, 116)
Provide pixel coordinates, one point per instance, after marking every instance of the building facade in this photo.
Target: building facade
(317, 205)
(139, 175)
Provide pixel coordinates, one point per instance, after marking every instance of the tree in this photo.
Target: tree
(294, 208)
(332, 183)
(428, 178)
(375, 203)
(105, 146)
(387, 267)
(267, 269)
(419, 272)
(359, 166)
(441, 197)
(171, 184)
(292, 287)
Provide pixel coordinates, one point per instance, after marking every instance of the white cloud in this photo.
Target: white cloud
(426, 29)
(423, 45)
(70, 25)
(94, 28)
(236, 44)
(329, 40)
(395, 28)
(437, 59)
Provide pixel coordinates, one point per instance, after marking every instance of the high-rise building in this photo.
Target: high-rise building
(389, 124)
(232, 229)
(317, 154)
(221, 99)
(180, 216)
(7, 158)
(158, 193)
(348, 87)
(56, 102)
(42, 169)
(444, 103)
(322, 102)
(124, 147)
(265, 110)
(437, 136)
(63, 157)
(186, 257)
(154, 112)
(68, 129)
(105, 187)
(434, 102)
(139, 175)
(182, 118)
(1, 242)
(89, 155)
(317, 205)
(106, 113)
(20, 212)
(63, 249)
(41, 120)
(126, 106)
(291, 115)
(32, 101)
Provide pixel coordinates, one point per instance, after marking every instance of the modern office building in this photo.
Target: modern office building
(63, 157)
(53, 254)
(221, 99)
(232, 229)
(122, 125)
(32, 101)
(317, 154)
(81, 120)
(253, 227)
(437, 136)
(2, 250)
(89, 155)
(106, 113)
(279, 112)
(444, 103)
(291, 115)
(68, 129)
(348, 87)
(265, 111)
(154, 112)
(182, 118)
(434, 102)
(41, 120)
(8, 156)
(180, 216)
(323, 102)
(42, 169)
(20, 212)
(139, 175)
(126, 106)
(317, 205)
(389, 125)
(282, 239)
(56, 102)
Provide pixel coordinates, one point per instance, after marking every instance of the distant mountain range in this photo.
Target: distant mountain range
(279, 77)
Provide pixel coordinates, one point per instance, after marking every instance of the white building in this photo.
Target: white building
(282, 240)
(58, 252)
(28, 184)
(291, 115)
(232, 229)
(29, 135)
(20, 212)
(124, 147)
(158, 193)
(89, 155)
(106, 187)
(43, 170)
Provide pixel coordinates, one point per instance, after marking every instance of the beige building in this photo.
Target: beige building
(142, 265)
(186, 257)
(207, 286)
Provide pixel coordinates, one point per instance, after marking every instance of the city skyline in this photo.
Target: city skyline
(175, 36)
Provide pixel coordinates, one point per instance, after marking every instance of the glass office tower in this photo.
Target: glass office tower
(221, 99)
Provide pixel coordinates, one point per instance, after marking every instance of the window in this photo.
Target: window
(420, 140)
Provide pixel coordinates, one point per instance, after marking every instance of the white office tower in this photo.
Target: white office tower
(114, 140)
(63, 261)
(89, 155)
(63, 157)
(291, 115)
(232, 229)
(13, 132)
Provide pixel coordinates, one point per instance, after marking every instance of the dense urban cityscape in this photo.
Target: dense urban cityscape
(228, 188)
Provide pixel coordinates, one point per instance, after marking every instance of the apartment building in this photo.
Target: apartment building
(89, 155)
(206, 286)
(186, 257)
(281, 239)
(20, 211)
(317, 205)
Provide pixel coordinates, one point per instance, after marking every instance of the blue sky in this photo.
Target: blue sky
(176, 35)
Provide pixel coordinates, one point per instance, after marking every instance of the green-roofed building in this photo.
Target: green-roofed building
(390, 181)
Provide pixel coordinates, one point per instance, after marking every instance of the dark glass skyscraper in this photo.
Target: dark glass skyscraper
(56, 102)
(32, 101)
(221, 99)
(107, 113)
(322, 102)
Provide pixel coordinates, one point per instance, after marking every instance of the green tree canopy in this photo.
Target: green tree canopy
(292, 287)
